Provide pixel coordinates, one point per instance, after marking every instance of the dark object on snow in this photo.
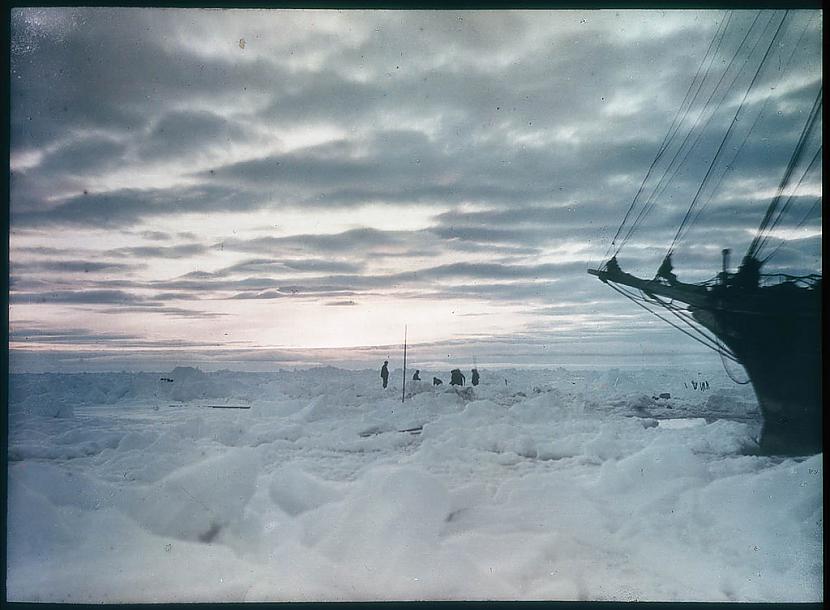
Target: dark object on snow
(436, 381)
(384, 373)
(700, 385)
(210, 534)
(665, 395)
(167, 379)
(456, 377)
(415, 430)
(475, 377)
(417, 375)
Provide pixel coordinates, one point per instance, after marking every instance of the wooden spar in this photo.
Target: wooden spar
(696, 296)
(403, 392)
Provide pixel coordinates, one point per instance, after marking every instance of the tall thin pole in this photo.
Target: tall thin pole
(403, 392)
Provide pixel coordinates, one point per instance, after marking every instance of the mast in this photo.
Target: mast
(403, 392)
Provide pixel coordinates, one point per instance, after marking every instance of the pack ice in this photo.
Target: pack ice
(320, 485)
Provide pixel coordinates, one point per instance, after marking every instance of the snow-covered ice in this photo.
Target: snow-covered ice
(555, 484)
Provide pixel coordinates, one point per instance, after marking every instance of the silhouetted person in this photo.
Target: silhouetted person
(665, 270)
(456, 377)
(384, 373)
(436, 381)
(612, 266)
(475, 377)
(749, 274)
(417, 376)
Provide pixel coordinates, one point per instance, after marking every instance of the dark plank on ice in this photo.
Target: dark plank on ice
(213, 406)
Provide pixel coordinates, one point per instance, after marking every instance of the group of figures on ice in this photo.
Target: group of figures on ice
(456, 376)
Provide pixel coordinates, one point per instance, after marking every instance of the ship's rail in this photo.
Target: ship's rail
(807, 281)
(774, 279)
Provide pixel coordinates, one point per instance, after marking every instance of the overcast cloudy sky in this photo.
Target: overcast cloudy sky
(250, 188)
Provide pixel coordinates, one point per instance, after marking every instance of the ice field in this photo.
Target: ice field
(537, 484)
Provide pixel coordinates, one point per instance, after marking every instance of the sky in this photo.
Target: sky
(262, 189)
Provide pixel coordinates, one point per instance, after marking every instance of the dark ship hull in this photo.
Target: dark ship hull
(775, 333)
(771, 324)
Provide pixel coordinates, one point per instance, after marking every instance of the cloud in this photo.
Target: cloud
(84, 336)
(83, 155)
(126, 207)
(296, 291)
(267, 265)
(109, 68)
(491, 271)
(175, 312)
(126, 302)
(181, 250)
(77, 297)
(72, 267)
(362, 156)
(64, 335)
(186, 132)
(156, 235)
(362, 239)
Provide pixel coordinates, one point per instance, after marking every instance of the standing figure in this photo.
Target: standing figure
(748, 276)
(384, 373)
(417, 375)
(456, 377)
(475, 376)
(665, 270)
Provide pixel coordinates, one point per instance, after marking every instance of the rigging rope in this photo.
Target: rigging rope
(815, 112)
(728, 133)
(662, 183)
(729, 373)
(730, 164)
(684, 316)
(798, 226)
(709, 344)
(790, 199)
(716, 172)
(678, 119)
